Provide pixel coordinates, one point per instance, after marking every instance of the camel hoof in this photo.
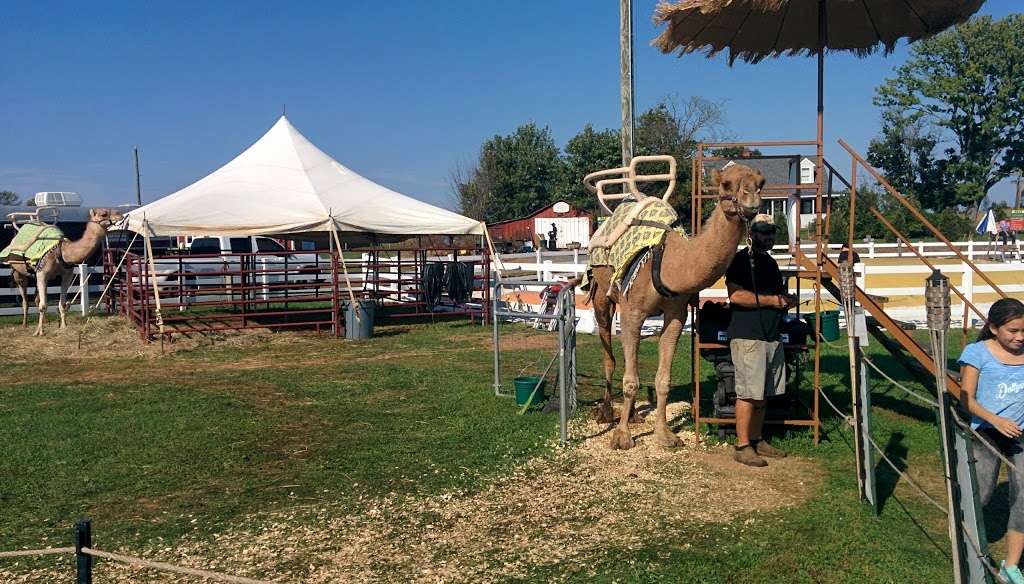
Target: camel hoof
(668, 440)
(622, 440)
(603, 413)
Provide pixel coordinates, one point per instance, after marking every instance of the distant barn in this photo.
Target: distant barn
(573, 226)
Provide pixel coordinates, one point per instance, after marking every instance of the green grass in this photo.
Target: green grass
(197, 440)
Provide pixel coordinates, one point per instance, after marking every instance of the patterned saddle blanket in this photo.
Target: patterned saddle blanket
(645, 231)
(32, 242)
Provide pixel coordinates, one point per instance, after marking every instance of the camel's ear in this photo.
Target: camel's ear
(759, 181)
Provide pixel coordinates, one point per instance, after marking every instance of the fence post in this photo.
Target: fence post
(536, 254)
(920, 247)
(970, 250)
(83, 287)
(83, 562)
(967, 283)
(871, 249)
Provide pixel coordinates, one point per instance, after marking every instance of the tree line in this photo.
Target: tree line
(952, 126)
(518, 173)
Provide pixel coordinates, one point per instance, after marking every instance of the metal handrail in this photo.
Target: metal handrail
(917, 214)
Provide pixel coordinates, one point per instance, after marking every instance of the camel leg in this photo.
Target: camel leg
(22, 284)
(40, 302)
(675, 317)
(604, 310)
(632, 320)
(66, 276)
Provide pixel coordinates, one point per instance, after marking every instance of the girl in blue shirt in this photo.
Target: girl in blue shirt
(992, 380)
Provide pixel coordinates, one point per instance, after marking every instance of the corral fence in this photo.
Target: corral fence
(562, 319)
(10, 300)
(199, 293)
(85, 559)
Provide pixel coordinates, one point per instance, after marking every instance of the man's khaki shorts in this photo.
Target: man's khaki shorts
(760, 368)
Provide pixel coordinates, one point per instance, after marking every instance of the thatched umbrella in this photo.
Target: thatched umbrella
(754, 29)
(751, 30)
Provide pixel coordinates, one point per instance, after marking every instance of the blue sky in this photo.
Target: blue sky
(399, 91)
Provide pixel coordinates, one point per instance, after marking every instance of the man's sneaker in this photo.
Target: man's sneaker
(764, 449)
(1011, 574)
(746, 455)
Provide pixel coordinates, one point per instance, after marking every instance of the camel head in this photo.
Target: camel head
(740, 186)
(105, 217)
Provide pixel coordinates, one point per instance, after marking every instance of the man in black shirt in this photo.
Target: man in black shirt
(758, 299)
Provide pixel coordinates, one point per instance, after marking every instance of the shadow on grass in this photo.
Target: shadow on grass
(886, 478)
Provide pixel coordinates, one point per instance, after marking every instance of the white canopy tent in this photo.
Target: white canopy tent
(284, 185)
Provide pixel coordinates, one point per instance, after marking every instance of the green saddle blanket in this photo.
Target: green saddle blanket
(646, 231)
(31, 243)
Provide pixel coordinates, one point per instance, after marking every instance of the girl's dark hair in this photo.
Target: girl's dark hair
(1002, 312)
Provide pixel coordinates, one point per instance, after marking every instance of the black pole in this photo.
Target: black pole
(83, 562)
(138, 188)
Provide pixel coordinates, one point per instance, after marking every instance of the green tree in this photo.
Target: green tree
(9, 198)
(967, 84)
(589, 151)
(904, 153)
(514, 176)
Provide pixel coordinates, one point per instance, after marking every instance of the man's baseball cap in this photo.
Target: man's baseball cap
(763, 223)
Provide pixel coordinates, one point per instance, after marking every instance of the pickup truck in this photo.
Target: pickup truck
(204, 263)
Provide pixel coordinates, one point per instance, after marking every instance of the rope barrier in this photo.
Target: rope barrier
(913, 393)
(170, 567)
(982, 555)
(891, 464)
(40, 552)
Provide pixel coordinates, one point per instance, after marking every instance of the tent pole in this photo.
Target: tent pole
(152, 278)
(344, 269)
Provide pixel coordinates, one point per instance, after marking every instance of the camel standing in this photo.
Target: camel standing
(689, 265)
(61, 261)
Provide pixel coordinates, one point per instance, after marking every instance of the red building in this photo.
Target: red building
(571, 225)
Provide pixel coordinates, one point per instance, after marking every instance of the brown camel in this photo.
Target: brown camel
(688, 266)
(61, 261)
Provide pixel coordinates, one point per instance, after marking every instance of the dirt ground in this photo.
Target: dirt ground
(580, 504)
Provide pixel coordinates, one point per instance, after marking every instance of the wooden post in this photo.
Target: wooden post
(626, 77)
(83, 562)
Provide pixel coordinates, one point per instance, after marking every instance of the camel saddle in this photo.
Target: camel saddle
(32, 242)
(624, 241)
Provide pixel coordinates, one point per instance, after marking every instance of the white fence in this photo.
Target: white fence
(10, 301)
(907, 301)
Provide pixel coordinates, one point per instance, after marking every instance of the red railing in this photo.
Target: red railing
(270, 290)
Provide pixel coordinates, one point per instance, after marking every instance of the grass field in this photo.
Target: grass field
(299, 458)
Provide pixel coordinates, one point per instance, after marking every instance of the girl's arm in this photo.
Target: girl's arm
(968, 389)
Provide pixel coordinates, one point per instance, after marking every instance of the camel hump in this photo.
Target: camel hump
(31, 243)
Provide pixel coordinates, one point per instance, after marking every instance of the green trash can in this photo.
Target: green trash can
(359, 328)
(829, 324)
(524, 387)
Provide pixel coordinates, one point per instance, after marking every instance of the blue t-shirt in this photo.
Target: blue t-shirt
(1000, 386)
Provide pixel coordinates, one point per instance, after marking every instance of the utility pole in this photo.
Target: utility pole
(138, 187)
(1020, 190)
(626, 77)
